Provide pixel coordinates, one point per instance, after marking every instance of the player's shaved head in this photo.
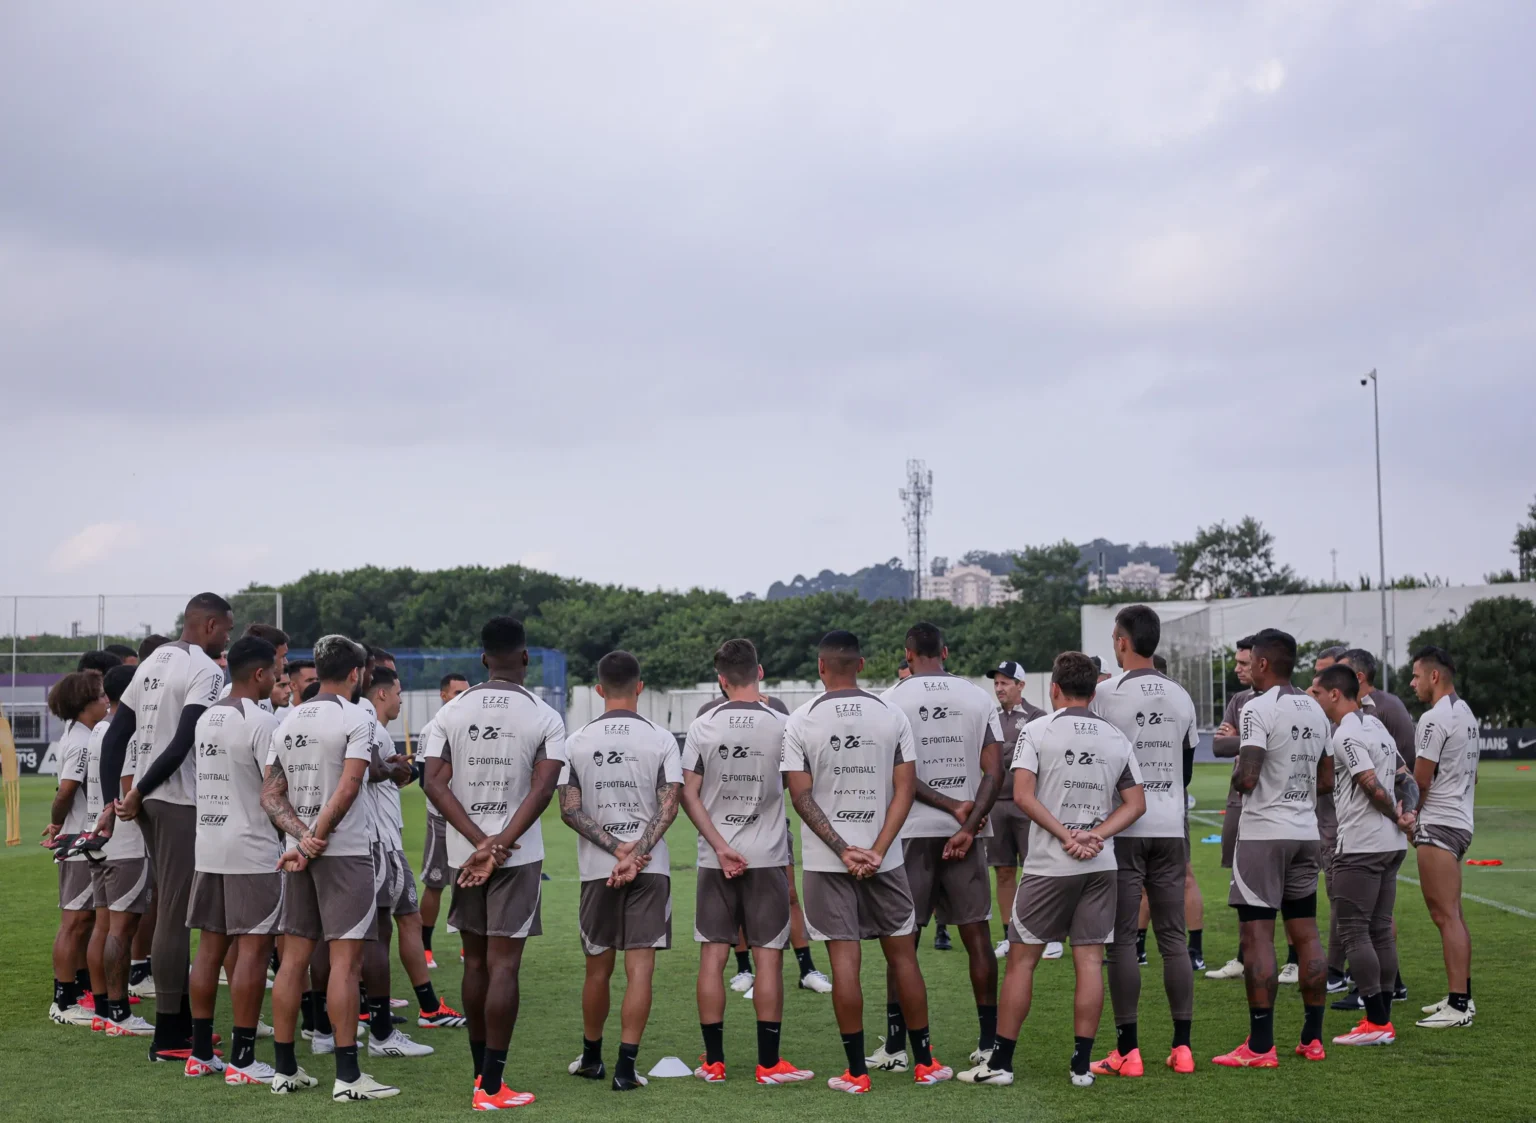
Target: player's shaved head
(208, 604)
(925, 640)
(839, 650)
(148, 645)
(503, 637)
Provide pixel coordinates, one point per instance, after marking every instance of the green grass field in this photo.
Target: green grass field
(50, 1071)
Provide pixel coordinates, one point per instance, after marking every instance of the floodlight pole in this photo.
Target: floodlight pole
(1381, 536)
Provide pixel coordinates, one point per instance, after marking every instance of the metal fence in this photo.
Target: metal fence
(1186, 644)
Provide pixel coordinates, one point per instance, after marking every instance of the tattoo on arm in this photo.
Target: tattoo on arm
(925, 794)
(579, 821)
(667, 795)
(1407, 790)
(274, 801)
(815, 818)
(1250, 763)
(1371, 786)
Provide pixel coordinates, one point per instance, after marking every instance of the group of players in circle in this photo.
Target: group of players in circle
(274, 830)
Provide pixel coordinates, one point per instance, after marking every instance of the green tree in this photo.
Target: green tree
(1494, 646)
(1233, 561)
(1525, 545)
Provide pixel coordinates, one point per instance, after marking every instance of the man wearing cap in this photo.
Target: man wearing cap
(1009, 843)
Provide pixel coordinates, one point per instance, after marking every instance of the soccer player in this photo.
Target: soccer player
(120, 890)
(319, 762)
(958, 739)
(1225, 744)
(160, 708)
(1371, 844)
(492, 765)
(1446, 771)
(734, 793)
(1276, 861)
(279, 640)
(282, 693)
(1157, 716)
(434, 856)
(850, 767)
(99, 661)
(125, 654)
(619, 792)
(301, 674)
(141, 980)
(1068, 767)
(78, 700)
(237, 891)
(1009, 844)
(1328, 836)
(398, 906)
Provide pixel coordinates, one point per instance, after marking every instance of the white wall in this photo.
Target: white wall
(1352, 618)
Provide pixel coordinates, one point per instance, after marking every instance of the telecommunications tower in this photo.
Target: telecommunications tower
(917, 497)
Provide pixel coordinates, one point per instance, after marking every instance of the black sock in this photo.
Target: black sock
(274, 961)
(744, 962)
(1125, 1039)
(426, 937)
(166, 1032)
(138, 971)
(242, 1048)
(1002, 1054)
(768, 1043)
(1197, 941)
(307, 1010)
(1311, 1023)
(1290, 955)
(286, 1062)
(491, 1069)
(1378, 1008)
(1082, 1055)
(100, 1002)
(1261, 1029)
(1240, 958)
(202, 1038)
(853, 1048)
(477, 1055)
(803, 957)
(322, 1013)
(921, 1052)
(378, 1018)
(426, 997)
(1467, 992)
(83, 981)
(627, 1054)
(118, 1009)
(1181, 1027)
(63, 994)
(1141, 943)
(895, 1028)
(714, 1041)
(346, 1063)
(986, 1018)
(1460, 1000)
(591, 1052)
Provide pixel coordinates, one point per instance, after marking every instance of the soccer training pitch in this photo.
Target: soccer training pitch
(51, 1072)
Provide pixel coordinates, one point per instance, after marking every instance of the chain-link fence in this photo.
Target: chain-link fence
(1186, 644)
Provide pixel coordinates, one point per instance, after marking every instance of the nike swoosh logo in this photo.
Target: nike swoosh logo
(1525, 744)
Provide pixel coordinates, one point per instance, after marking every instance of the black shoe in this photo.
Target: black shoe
(1400, 992)
(544, 877)
(1338, 981)
(397, 1019)
(1197, 961)
(627, 1083)
(1351, 1001)
(589, 1072)
(941, 939)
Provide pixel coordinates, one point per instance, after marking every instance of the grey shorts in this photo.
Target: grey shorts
(956, 892)
(1079, 906)
(1266, 873)
(402, 885)
(1009, 844)
(75, 891)
(434, 855)
(839, 906)
(506, 905)
(121, 885)
(756, 903)
(1458, 842)
(637, 915)
(1229, 830)
(236, 904)
(333, 899)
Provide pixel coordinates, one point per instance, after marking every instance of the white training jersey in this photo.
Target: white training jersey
(264, 704)
(1292, 730)
(1081, 763)
(74, 764)
(618, 762)
(425, 740)
(390, 822)
(1362, 743)
(313, 745)
(736, 747)
(952, 720)
(234, 834)
(176, 674)
(127, 839)
(492, 736)
(850, 741)
(1157, 716)
(1447, 735)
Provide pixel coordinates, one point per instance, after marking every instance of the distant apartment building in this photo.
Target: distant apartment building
(1134, 577)
(968, 586)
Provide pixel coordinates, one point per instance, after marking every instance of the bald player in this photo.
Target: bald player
(160, 709)
(1009, 844)
(1446, 771)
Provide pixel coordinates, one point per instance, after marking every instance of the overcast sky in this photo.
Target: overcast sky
(319, 286)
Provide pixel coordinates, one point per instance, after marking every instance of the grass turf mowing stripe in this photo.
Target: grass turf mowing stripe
(1480, 900)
